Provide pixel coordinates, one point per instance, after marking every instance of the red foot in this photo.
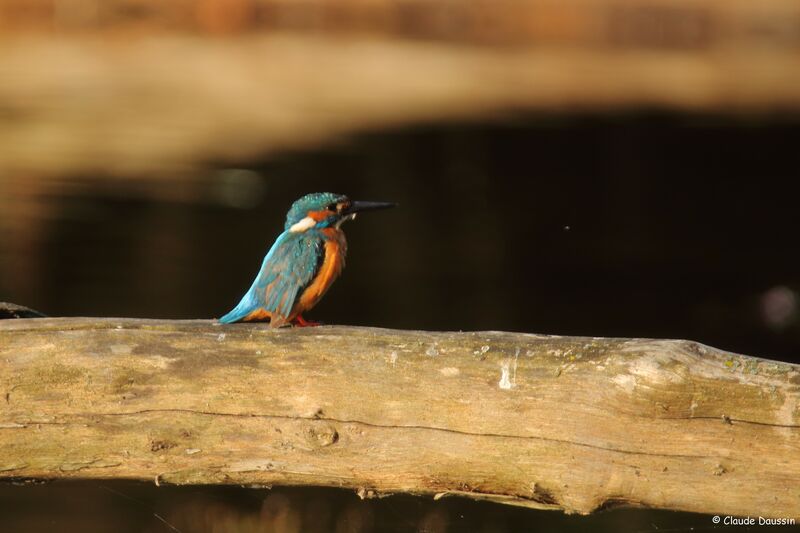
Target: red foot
(300, 322)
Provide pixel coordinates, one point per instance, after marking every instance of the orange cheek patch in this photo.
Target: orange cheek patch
(320, 215)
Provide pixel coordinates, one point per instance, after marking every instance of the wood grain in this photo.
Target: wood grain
(548, 422)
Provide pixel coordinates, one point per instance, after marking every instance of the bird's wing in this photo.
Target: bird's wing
(288, 268)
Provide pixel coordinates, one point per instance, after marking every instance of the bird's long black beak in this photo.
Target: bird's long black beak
(357, 207)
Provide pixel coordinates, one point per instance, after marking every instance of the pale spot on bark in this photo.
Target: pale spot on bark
(121, 349)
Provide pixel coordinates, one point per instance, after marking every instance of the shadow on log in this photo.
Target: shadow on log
(567, 423)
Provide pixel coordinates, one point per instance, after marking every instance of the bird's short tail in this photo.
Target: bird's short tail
(244, 308)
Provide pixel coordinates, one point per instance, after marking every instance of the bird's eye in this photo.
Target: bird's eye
(333, 207)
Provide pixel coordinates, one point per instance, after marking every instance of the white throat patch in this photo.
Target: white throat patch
(304, 225)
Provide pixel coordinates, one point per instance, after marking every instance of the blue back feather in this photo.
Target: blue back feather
(286, 271)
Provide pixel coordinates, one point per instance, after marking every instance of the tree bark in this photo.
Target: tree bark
(550, 422)
(9, 310)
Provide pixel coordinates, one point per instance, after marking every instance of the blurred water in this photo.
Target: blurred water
(638, 225)
(123, 506)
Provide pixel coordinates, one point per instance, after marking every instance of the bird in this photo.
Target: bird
(303, 263)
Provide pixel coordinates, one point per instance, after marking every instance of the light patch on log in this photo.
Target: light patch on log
(505, 382)
(251, 465)
(13, 466)
(158, 361)
(653, 371)
(121, 349)
(508, 375)
(786, 415)
(625, 381)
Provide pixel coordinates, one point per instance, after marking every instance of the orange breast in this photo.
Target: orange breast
(258, 315)
(332, 265)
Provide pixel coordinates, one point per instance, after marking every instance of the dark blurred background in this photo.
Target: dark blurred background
(602, 169)
(631, 224)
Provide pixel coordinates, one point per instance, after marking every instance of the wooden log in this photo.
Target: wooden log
(567, 423)
(166, 106)
(9, 310)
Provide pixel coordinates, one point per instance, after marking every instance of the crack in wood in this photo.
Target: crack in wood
(384, 426)
(728, 420)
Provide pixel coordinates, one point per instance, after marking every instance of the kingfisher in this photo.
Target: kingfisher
(303, 263)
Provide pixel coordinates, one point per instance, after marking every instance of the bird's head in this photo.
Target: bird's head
(325, 210)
